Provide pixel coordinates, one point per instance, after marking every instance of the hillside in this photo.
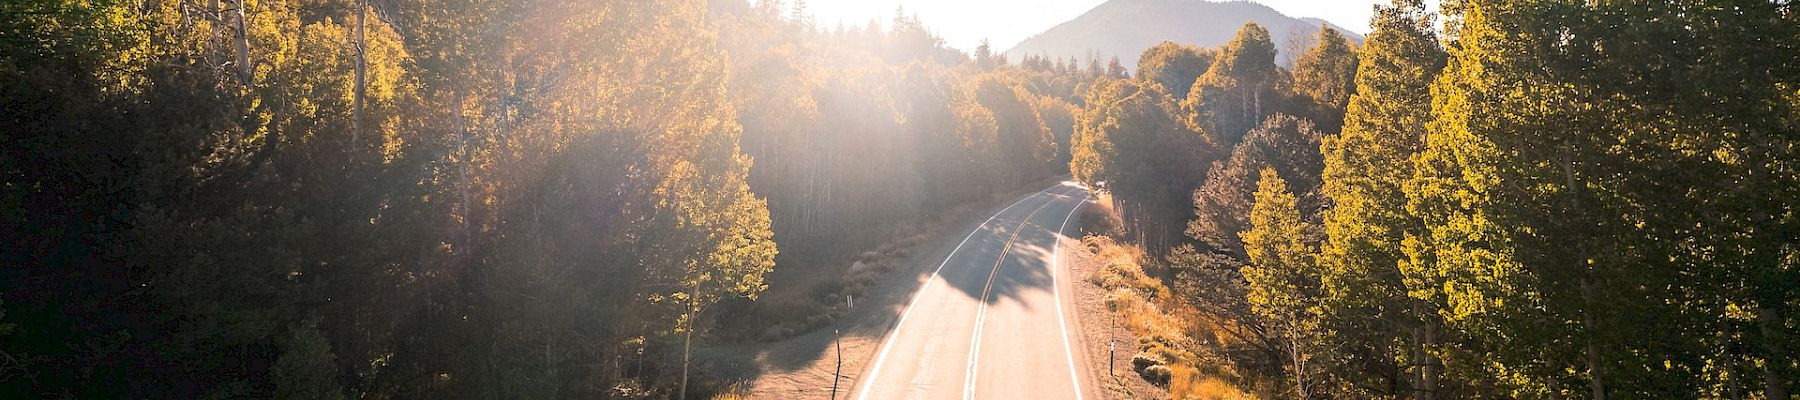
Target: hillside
(1126, 27)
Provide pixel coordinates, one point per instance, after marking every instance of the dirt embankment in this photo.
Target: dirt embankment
(1109, 344)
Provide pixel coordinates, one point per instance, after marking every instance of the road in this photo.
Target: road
(993, 321)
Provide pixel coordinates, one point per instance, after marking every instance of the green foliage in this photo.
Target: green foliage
(525, 177)
(1130, 145)
(1238, 90)
(306, 368)
(1547, 171)
(1325, 76)
(1283, 276)
(1588, 201)
(1283, 269)
(1368, 306)
(1222, 205)
(863, 133)
(1174, 66)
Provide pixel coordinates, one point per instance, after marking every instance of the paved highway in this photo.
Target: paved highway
(993, 321)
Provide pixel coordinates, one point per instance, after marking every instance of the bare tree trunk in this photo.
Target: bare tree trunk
(1596, 382)
(687, 344)
(241, 38)
(362, 67)
(1424, 337)
(1256, 114)
(1297, 353)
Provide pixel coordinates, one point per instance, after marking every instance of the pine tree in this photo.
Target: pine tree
(984, 56)
(1222, 204)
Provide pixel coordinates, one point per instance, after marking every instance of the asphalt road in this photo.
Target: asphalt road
(993, 321)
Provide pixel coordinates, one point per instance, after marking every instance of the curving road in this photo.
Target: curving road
(993, 321)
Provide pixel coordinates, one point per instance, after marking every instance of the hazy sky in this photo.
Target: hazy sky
(963, 23)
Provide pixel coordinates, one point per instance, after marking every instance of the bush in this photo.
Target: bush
(1100, 221)
(1157, 375)
(1145, 360)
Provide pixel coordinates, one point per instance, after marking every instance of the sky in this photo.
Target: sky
(964, 23)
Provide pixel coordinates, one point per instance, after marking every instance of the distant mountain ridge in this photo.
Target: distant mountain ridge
(1124, 28)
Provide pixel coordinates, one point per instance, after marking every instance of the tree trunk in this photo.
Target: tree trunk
(1595, 373)
(462, 170)
(1774, 379)
(1596, 380)
(1424, 337)
(362, 67)
(241, 38)
(687, 344)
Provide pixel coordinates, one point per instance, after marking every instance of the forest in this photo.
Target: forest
(1500, 199)
(559, 199)
(474, 199)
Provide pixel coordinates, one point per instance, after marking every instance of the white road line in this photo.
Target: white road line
(888, 344)
(981, 304)
(1056, 290)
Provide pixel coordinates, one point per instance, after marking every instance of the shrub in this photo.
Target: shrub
(1157, 375)
(1144, 360)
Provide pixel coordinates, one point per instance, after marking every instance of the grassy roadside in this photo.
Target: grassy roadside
(1172, 344)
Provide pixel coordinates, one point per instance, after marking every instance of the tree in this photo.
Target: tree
(1325, 76)
(1229, 99)
(1023, 142)
(1116, 70)
(1283, 276)
(1174, 66)
(1541, 219)
(1367, 274)
(1222, 204)
(1129, 144)
(984, 57)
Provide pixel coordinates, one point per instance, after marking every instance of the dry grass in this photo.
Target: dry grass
(1189, 383)
(737, 391)
(1167, 353)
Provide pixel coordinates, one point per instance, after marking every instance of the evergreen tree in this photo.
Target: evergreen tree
(1222, 204)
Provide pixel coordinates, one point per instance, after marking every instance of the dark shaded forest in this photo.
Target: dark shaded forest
(475, 199)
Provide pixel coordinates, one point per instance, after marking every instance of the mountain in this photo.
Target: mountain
(1126, 27)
